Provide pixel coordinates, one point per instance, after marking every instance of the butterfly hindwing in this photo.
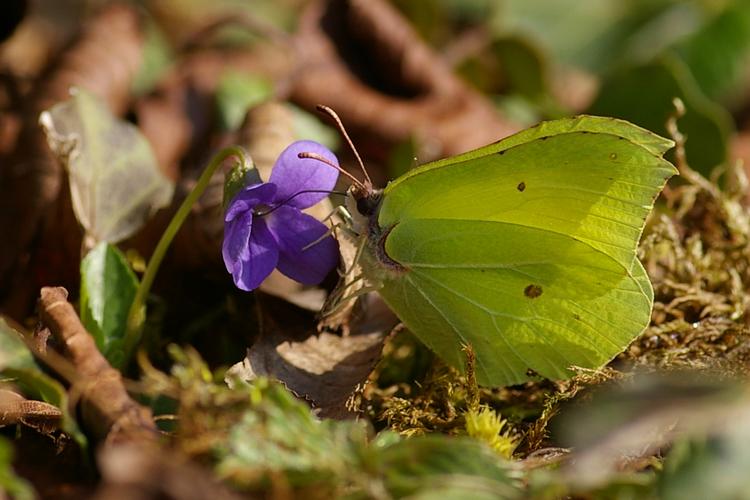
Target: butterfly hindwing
(521, 297)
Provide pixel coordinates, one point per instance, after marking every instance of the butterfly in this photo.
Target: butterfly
(524, 249)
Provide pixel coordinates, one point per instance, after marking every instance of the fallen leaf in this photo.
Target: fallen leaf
(18, 366)
(16, 409)
(115, 182)
(324, 368)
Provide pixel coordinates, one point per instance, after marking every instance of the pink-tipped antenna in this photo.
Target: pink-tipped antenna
(367, 185)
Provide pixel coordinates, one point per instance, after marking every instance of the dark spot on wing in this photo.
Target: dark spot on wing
(521, 186)
(502, 152)
(576, 317)
(531, 373)
(532, 291)
(545, 137)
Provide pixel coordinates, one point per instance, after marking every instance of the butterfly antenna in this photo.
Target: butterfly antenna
(367, 185)
(316, 156)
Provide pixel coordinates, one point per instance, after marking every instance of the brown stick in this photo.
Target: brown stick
(107, 409)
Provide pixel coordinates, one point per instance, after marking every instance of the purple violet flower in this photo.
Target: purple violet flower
(264, 227)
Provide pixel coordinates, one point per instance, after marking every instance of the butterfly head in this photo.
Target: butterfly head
(367, 200)
(363, 206)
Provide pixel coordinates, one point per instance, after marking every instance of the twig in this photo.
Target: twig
(680, 157)
(107, 409)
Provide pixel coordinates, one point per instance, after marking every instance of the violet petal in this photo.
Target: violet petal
(292, 175)
(237, 240)
(248, 198)
(263, 255)
(295, 231)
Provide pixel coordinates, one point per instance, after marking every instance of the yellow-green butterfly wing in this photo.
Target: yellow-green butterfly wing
(525, 249)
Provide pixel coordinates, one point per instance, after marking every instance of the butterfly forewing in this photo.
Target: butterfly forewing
(597, 188)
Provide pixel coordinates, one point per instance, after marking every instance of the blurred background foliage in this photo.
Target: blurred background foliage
(542, 59)
(537, 59)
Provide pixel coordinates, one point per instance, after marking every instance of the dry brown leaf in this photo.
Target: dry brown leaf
(16, 409)
(115, 182)
(324, 368)
(399, 89)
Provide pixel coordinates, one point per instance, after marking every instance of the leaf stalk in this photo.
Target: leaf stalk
(137, 313)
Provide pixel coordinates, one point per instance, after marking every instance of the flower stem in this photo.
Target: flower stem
(137, 313)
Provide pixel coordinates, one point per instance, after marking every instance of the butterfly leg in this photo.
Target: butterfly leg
(340, 301)
(344, 225)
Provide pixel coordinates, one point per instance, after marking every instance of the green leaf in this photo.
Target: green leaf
(279, 433)
(17, 363)
(711, 460)
(239, 177)
(115, 182)
(644, 95)
(157, 59)
(402, 157)
(13, 351)
(108, 287)
(438, 21)
(711, 467)
(573, 32)
(238, 92)
(261, 432)
(510, 64)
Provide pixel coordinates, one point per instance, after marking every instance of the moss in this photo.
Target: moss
(487, 426)
(697, 253)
